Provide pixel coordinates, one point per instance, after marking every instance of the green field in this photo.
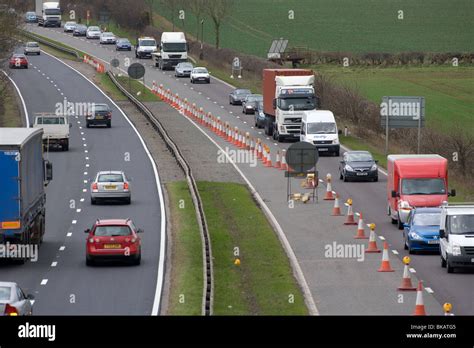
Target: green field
(344, 25)
(448, 91)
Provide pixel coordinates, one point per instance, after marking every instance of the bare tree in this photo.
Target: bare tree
(9, 23)
(218, 11)
(150, 4)
(198, 9)
(172, 5)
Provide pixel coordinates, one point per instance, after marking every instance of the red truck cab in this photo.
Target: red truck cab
(415, 181)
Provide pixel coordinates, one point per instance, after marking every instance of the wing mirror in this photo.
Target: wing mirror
(442, 234)
(30, 297)
(395, 194)
(339, 131)
(452, 193)
(140, 230)
(87, 230)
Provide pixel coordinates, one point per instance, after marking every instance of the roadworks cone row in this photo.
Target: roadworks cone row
(372, 246)
(350, 214)
(420, 305)
(360, 228)
(328, 195)
(336, 210)
(385, 265)
(406, 279)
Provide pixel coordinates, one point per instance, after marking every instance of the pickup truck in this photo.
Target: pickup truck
(55, 130)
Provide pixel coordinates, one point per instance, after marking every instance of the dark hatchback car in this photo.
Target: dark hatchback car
(249, 104)
(358, 165)
(30, 17)
(259, 115)
(238, 95)
(80, 30)
(123, 44)
(99, 114)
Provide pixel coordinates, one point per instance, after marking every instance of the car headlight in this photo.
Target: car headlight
(414, 235)
(335, 141)
(456, 250)
(348, 168)
(374, 167)
(404, 205)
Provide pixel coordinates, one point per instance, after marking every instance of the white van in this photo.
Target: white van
(456, 236)
(319, 128)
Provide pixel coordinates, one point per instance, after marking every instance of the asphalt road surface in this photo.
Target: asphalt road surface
(60, 279)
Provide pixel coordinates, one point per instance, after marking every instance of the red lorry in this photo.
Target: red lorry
(415, 181)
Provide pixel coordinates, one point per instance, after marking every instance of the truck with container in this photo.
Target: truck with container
(287, 95)
(457, 236)
(55, 129)
(24, 174)
(415, 181)
(48, 13)
(172, 50)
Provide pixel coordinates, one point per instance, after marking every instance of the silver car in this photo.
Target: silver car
(93, 33)
(183, 69)
(111, 185)
(13, 300)
(69, 26)
(32, 47)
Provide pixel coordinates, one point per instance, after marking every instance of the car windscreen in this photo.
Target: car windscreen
(185, 66)
(242, 91)
(461, 224)
(147, 43)
(32, 44)
(359, 157)
(254, 98)
(52, 11)
(423, 187)
(94, 29)
(200, 71)
(51, 120)
(110, 178)
(174, 47)
(70, 23)
(321, 128)
(5, 293)
(99, 107)
(123, 41)
(300, 103)
(108, 34)
(426, 219)
(112, 231)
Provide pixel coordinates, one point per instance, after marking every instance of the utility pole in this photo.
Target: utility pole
(201, 55)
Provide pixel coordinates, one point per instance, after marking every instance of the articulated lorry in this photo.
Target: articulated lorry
(173, 49)
(287, 95)
(48, 13)
(23, 177)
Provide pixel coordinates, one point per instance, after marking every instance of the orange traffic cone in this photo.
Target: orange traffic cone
(260, 154)
(269, 159)
(420, 305)
(328, 196)
(252, 145)
(360, 228)
(350, 215)
(372, 247)
(283, 166)
(278, 161)
(385, 265)
(336, 210)
(406, 279)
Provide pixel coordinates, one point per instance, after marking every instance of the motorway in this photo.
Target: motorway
(298, 225)
(60, 280)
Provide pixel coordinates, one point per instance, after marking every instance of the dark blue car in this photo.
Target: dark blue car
(421, 232)
(123, 44)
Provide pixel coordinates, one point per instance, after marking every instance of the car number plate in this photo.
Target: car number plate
(434, 241)
(112, 246)
(322, 149)
(362, 174)
(110, 187)
(99, 117)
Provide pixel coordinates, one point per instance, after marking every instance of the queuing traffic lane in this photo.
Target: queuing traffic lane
(370, 198)
(69, 286)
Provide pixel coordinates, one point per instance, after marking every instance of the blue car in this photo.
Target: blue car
(421, 232)
(123, 44)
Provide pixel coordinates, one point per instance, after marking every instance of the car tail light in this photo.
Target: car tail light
(125, 185)
(10, 310)
(109, 115)
(95, 187)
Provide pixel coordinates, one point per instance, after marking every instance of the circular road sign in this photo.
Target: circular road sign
(136, 71)
(115, 62)
(302, 156)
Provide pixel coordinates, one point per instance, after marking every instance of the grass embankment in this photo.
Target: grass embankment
(263, 284)
(341, 25)
(186, 254)
(10, 114)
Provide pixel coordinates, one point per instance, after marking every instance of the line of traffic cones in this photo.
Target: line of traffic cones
(350, 214)
(328, 196)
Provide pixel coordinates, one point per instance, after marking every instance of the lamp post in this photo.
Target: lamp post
(201, 54)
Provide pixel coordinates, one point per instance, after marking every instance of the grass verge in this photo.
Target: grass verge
(263, 284)
(186, 254)
(10, 114)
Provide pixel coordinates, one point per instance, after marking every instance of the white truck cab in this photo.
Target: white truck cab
(457, 235)
(319, 128)
(173, 49)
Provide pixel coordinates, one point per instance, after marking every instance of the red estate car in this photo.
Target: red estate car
(18, 61)
(114, 239)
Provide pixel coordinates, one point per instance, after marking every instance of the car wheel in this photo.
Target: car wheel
(443, 262)
(65, 147)
(399, 223)
(93, 201)
(137, 259)
(39, 53)
(411, 251)
(88, 125)
(344, 177)
(449, 268)
(405, 243)
(109, 124)
(340, 175)
(376, 179)
(89, 261)
(128, 200)
(336, 153)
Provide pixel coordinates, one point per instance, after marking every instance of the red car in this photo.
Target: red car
(115, 239)
(18, 61)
